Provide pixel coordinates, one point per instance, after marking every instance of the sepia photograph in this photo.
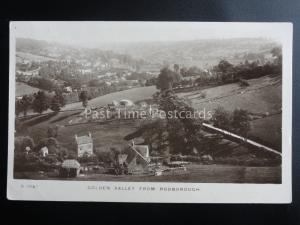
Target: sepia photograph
(148, 106)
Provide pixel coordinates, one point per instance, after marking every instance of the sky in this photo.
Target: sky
(93, 33)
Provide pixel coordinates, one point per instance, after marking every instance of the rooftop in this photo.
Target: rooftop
(71, 163)
(84, 140)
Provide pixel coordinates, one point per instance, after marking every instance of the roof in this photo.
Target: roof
(44, 149)
(71, 163)
(84, 140)
(143, 149)
(126, 102)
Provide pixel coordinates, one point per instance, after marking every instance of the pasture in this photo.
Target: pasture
(261, 97)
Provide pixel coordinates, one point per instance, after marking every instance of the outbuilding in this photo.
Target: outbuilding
(69, 168)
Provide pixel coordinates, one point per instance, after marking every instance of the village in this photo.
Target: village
(94, 115)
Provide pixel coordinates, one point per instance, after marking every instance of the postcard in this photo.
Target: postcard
(170, 112)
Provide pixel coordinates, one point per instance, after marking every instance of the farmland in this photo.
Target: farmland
(134, 94)
(24, 89)
(261, 97)
(228, 167)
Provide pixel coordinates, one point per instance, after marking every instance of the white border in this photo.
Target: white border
(48, 190)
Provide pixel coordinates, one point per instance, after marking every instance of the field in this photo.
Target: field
(261, 97)
(194, 173)
(31, 57)
(24, 89)
(134, 94)
(104, 135)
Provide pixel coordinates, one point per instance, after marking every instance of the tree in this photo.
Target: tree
(221, 118)
(176, 133)
(23, 105)
(52, 131)
(240, 122)
(40, 102)
(51, 143)
(176, 68)
(18, 107)
(277, 53)
(167, 78)
(22, 142)
(84, 98)
(57, 101)
(183, 71)
(224, 66)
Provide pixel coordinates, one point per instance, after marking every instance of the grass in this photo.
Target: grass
(195, 173)
(32, 57)
(106, 135)
(24, 89)
(134, 94)
(262, 96)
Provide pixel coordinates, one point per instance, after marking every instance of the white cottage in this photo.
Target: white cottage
(44, 151)
(84, 145)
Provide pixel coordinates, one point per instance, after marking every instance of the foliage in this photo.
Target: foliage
(240, 122)
(167, 78)
(221, 118)
(52, 131)
(22, 142)
(40, 102)
(84, 98)
(51, 143)
(176, 133)
(23, 105)
(237, 122)
(57, 101)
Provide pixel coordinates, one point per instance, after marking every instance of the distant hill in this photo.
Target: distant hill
(199, 52)
(31, 49)
(202, 53)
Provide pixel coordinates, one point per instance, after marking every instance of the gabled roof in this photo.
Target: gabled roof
(143, 149)
(84, 140)
(44, 149)
(71, 163)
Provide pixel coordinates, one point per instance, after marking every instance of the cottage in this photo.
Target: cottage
(69, 168)
(68, 89)
(138, 159)
(84, 145)
(44, 151)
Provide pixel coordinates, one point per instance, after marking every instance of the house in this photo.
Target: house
(68, 89)
(44, 151)
(138, 158)
(84, 145)
(69, 168)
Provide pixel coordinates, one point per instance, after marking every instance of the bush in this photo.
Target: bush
(22, 142)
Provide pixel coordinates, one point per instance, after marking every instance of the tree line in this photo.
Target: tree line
(39, 102)
(224, 72)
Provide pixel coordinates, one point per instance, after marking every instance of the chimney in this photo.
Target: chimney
(132, 143)
(76, 137)
(90, 135)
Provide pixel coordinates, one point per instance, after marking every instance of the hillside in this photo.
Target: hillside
(24, 89)
(201, 53)
(261, 98)
(134, 94)
(204, 53)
